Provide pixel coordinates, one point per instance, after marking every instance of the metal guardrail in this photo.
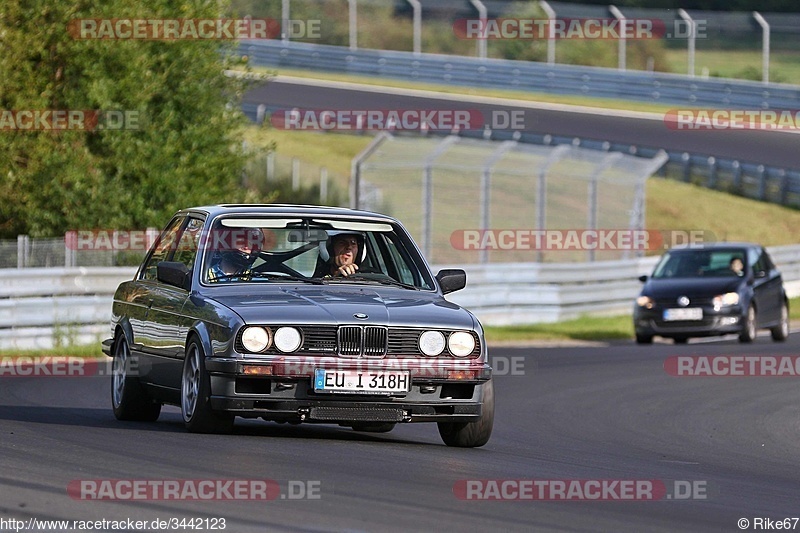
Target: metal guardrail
(525, 293)
(599, 82)
(47, 307)
(42, 308)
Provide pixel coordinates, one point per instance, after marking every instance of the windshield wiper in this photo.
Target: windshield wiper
(382, 281)
(286, 277)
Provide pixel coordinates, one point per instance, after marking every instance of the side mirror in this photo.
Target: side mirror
(642, 278)
(174, 273)
(451, 280)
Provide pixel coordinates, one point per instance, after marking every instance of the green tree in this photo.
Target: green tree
(185, 150)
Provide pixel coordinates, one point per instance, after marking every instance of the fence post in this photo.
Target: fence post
(270, 166)
(762, 182)
(295, 174)
(285, 14)
(737, 177)
(712, 172)
(764, 46)
(687, 167)
(415, 4)
(551, 32)
(23, 248)
(353, 16)
(692, 36)
(323, 185)
(482, 15)
(621, 60)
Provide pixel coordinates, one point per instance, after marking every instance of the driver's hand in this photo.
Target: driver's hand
(347, 270)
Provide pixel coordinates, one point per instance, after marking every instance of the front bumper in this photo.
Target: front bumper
(714, 322)
(289, 395)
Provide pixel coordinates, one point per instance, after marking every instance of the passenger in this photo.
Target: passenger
(235, 264)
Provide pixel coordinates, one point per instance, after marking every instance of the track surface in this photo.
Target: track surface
(575, 413)
(768, 148)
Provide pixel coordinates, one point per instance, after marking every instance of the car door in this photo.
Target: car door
(147, 290)
(767, 289)
(169, 324)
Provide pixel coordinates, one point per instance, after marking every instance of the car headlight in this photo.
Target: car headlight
(727, 299)
(461, 344)
(431, 343)
(287, 339)
(645, 301)
(255, 339)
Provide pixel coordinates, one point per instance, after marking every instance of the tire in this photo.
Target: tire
(781, 331)
(644, 339)
(129, 400)
(748, 333)
(680, 340)
(472, 434)
(198, 417)
(374, 427)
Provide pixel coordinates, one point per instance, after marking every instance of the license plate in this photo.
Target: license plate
(359, 381)
(690, 313)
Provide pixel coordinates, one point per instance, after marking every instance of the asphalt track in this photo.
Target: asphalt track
(567, 414)
(762, 147)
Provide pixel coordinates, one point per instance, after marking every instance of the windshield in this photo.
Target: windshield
(311, 250)
(702, 264)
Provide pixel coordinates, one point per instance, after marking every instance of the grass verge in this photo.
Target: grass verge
(83, 350)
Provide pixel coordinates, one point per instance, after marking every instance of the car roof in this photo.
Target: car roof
(293, 210)
(715, 246)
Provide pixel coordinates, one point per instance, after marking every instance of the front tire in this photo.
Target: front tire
(748, 333)
(781, 332)
(644, 339)
(129, 400)
(472, 434)
(198, 417)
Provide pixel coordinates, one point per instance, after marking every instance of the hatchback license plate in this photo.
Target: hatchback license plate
(690, 313)
(358, 381)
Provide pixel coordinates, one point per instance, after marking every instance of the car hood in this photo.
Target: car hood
(691, 287)
(338, 305)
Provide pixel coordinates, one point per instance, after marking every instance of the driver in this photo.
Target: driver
(345, 250)
(235, 263)
(737, 266)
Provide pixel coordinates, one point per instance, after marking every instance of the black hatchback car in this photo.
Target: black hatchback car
(713, 289)
(297, 314)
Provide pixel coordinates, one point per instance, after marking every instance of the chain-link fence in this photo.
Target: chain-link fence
(291, 179)
(455, 195)
(94, 249)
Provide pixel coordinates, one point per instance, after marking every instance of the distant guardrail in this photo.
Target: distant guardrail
(655, 87)
(46, 307)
